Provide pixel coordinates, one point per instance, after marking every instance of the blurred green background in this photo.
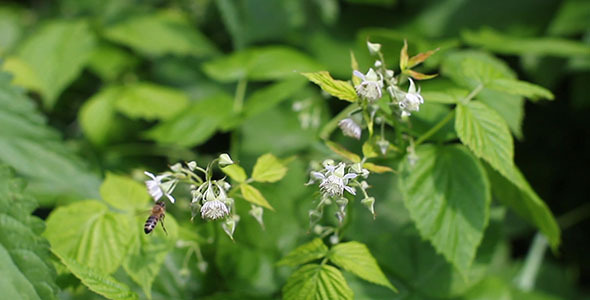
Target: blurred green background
(96, 72)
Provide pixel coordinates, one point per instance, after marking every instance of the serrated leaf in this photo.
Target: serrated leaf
(342, 90)
(253, 195)
(97, 281)
(27, 271)
(235, 172)
(89, 233)
(486, 134)
(151, 101)
(316, 282)
(520, 197)
(447, 194)
(471, 69)
(36, 150)
(260, 64)
(521, 88)
(147, 252)
(123, 192)
(55, 54)
(356, 258)
(195, 124)
(509, 107)
(313, 250)
(377, 168)
(165, 32)
(338, 149)
(268, 169)
(109, 62)
(490, 39)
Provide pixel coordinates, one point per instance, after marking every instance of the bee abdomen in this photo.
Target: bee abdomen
(150, 224)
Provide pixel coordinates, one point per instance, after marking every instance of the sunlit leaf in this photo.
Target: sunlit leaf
(150, 101)
(342, 90)
(356, 258)
(89, 233)
(305, 253)
(268, 169)
(338, 149)
(235, 172)
(377, 168)
(123, 192)
(253, 195)
(315, 282)
(521, 88)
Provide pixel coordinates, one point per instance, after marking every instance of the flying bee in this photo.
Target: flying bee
(158, 213)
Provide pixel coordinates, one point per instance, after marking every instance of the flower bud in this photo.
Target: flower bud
(225, 160)
(257, 212)
(177, 167)
(350, 128)
(192, 165)
(374, 48)
(370, 204)
(383, 146)
(229, 226)
(378, 64)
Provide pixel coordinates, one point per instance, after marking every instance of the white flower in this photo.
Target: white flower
(350, 128)
(370, 86)
(214, 210)
(334, 181)
(411, 100)
(158, 188)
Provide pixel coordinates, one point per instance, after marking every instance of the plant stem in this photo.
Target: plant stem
(240, 94)
(526, 279)
(435, 128)
(333, 124)
(473, 93)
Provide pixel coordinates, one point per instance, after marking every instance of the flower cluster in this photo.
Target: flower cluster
(210, 197)
(333, 180)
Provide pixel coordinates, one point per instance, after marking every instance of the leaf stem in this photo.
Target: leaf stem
(240, 94)
(473, 93)
(435, 128)
(526, 279)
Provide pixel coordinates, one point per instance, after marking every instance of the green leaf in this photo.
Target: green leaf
(486, 134)
(235, 172)
(265, 98)
(89, 233)
(55, 54)
(490, 39)
(195, 124)
(98, 117)
(520, 197)
(338, 149)
(123, 192)
(110, 62)
(315, 282)
(571, 18)
(370, 149)
(27, 271)
(166, 32)
(97, 281)
(147, 252)
(509, 107)
(268, 169)
(150, 101)
(448, 96)
(377, 168)
(36, 150)
(313, 250)
(521, 88)
(260, 64)
(253, 195)
(342, 90)
(472, 68)
(448, 196)
(356, 258)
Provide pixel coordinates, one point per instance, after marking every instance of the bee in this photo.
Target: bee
(158, 213)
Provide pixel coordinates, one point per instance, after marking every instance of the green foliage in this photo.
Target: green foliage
(268, 169)
(54, 57)
(340, 89)
(253, 195)
(97, 281)
(448, 196)
(313, 281)
(305, 253)
(24, 254)
(36, 150)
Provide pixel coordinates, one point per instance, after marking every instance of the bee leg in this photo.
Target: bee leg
(162, 222)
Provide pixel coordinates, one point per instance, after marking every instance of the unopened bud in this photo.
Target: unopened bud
(225, 160)
(350, 128)
(192, 165)
(177, 167)
(374, 48)
(370, 204)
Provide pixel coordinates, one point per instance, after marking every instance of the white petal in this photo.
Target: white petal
(170, 198)
(350, 189)
(412, 88)
(349, 176)
(359, 75)
(318, 175)
(150, 175)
